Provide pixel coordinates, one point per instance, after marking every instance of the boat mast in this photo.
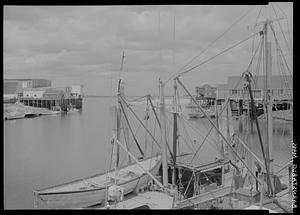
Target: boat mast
(124, 117)
(175, 135)
(116, 147)
(118, 132)
(163, 134)
(268, 101)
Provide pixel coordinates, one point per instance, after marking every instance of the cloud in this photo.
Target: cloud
(84, 42)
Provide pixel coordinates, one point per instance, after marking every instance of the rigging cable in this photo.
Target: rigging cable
(277, 43)
(288, 47)
(219, 114)
(252, 50)
(255, 80)
(222, 52)
(221, 35)
(287, 23)
(212, 142)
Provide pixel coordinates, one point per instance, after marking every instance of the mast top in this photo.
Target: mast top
(266, 22)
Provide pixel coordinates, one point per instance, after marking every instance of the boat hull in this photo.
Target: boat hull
(89, 197)
(21, 116)
(286, 115)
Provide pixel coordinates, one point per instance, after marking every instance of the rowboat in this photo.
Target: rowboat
(15, 115)
(92, 190)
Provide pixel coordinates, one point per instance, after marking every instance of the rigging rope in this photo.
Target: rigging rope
(277, 43)
(221, 35)
(219, 114)
(196, 152)
(287, 22)
(252, 50)
(222, 52)
(213, 142)
(288, 47)
(259, 60)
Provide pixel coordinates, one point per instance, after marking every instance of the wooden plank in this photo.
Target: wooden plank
(203, 197)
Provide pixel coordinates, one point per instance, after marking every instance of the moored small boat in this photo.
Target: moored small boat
(92, 190)
(15, 115)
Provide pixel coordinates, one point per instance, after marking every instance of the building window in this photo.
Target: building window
(234, 92)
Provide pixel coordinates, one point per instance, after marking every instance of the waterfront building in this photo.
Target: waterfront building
(77, 91)
(281, 88)
(13, 88)
(206, 94)
(36, 93)
(53, 98)
(206, 91)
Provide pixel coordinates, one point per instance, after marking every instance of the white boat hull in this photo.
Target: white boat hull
(17, 116)
(283, 114)
(78, 194)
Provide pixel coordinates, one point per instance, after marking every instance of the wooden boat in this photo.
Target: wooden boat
(15, 115)
(195, 112)
(92, 190)
(155, 200)
(286, 115)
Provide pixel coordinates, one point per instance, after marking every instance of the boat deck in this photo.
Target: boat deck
(149, 199)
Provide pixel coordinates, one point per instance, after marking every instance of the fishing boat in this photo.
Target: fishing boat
(200, 194)
(195, 112)
(285, 113)
(229, 182)
(226, 181)
(92, 190)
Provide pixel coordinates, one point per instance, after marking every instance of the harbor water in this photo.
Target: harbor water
(50, 150)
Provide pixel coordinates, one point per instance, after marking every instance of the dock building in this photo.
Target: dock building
(13, 88)
(234, 89)
(281, 88)
(58, 98)
(39, 93)
(206, 93)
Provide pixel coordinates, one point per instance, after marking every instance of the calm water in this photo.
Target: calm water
(50, 150)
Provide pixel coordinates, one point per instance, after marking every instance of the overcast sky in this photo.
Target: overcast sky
(84, 44)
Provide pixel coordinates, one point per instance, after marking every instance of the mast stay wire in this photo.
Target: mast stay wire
(287, 45)
(211, 141)
(214, 41)
(252, 50)
(277, 43)
(255, 80)
(211, 128)
(223, 107)
(222, 52)
(287, 23)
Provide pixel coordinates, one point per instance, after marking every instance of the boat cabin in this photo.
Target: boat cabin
(193, 178)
